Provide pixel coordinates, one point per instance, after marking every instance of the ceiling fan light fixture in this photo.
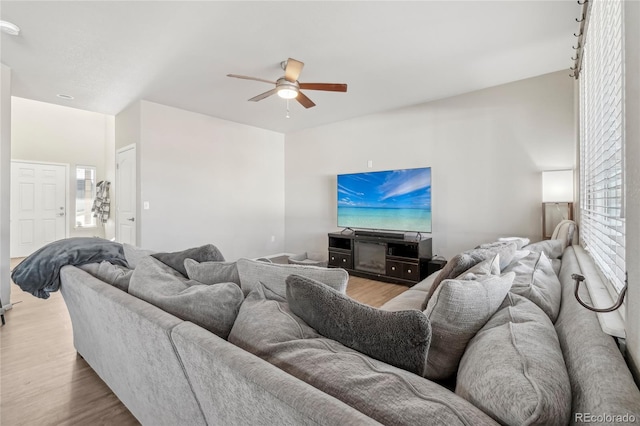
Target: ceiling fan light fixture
(9, 28)
(287, 93)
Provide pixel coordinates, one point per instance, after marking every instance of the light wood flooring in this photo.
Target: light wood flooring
(44, 382)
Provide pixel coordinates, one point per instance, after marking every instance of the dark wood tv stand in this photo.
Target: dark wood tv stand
(383, 256)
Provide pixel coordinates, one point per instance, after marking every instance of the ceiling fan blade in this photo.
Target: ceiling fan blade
(304, 101)
(264, 95)
(293, 69)
(244, 77)
(329, 87)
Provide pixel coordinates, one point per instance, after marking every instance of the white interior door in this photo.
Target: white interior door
(126, 202)
(38, 206)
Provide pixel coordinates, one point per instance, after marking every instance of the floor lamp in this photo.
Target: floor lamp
(557, 199)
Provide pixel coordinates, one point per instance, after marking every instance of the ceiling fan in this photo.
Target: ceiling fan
(288, 87)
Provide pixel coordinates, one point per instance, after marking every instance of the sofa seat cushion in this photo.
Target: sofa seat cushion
(213, 307)
(398, 338)
(212, 272)
(116, 275)
(514, 370)
(537, 280)
(457, 310)
(409, 299)
(387, 394)
(254, 273)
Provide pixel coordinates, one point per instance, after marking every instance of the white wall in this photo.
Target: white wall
(209, 180)
(632, 140)
(486, 150)
(5, 178)
(51, 133)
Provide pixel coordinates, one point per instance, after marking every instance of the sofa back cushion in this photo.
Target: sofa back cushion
(551, 248)
(387, 394)
(253, 273)
(205, 253)
(457, 310)
(213, 307)
(513, 369)
(397, 338)
(116, 275)
(212, 272)
(537, 281)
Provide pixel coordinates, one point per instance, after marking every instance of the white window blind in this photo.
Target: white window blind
(602, 140)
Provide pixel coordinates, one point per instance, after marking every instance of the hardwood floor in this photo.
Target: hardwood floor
(44, 381)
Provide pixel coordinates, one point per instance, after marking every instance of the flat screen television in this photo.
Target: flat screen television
(393, 200)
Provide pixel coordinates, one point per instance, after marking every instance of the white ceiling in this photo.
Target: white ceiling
(391, 54)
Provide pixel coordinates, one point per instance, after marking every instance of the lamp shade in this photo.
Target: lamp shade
(557, 186)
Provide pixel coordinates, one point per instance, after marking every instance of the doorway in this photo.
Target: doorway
(39, 194)
(126, 195)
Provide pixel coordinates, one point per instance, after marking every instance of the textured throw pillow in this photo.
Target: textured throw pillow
(514, 370)
(398, 338)
(466, 260)
(552, 248)
(212, 272)
(205, 253)
(213, 307)
(135, 254)
(273, 276)
(537, 281)
(457, 310)
(116, 275)
(490, 266)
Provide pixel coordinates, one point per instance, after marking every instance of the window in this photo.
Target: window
(602, 141)
(85, 194)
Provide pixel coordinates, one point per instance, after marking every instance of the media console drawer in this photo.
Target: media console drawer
(340, 260)
(405, 270)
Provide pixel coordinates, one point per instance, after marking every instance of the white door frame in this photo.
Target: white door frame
(117, 186)
(66, 187)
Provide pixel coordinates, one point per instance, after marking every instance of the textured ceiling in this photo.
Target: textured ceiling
(391, 54)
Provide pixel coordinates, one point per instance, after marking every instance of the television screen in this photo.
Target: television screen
(395, 200)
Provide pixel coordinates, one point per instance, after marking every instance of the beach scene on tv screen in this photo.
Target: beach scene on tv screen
(398, 200)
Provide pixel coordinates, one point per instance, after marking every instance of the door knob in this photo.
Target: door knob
(61, 214)
(131, 219)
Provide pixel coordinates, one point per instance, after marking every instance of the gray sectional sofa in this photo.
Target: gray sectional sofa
(520, 366)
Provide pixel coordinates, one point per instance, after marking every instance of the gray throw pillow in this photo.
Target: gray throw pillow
(273, 276)
(212, 272)
(552, 248)
(466, 260)
(514, 370)
(457, 310)
(213, 307)
(398, 338)
(205, 253)
(537, 281)
(135, 254)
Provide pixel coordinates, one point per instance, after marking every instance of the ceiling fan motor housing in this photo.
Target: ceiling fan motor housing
(287, 89)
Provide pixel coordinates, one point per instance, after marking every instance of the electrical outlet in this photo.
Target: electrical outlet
(145, 205)
(370, 163)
